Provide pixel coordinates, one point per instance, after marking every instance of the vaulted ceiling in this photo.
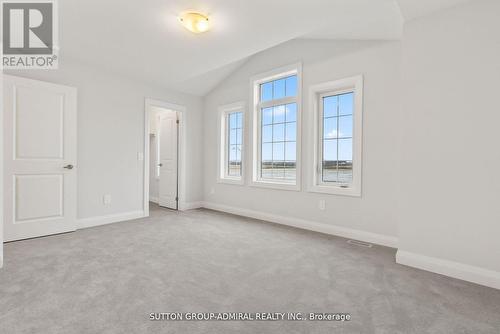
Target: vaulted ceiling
(144, 40)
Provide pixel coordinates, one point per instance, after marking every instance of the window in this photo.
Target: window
(337, 118)
(276, 125)
(337, 114)
(235, 142)
(231, 143)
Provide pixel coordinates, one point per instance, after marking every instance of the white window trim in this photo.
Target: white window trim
(355, 84)
(282, 72)
(222, 174)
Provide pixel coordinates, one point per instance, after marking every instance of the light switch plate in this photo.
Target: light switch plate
(140, 156)
(322, 204)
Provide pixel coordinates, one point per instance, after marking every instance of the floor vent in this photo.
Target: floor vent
(359, 243)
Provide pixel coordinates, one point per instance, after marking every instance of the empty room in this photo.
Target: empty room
(235, 166)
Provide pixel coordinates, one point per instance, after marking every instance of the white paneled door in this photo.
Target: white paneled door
(39, 158)
(167, 133)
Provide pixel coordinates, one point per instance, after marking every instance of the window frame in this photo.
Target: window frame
(223, 143)
(255, 82)
(316, 93)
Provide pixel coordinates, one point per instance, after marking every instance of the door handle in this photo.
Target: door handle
(160, 165)
(69, 166)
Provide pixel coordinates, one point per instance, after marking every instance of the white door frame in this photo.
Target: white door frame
(181, 111)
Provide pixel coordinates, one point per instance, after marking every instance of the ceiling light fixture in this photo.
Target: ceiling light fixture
(195, 22)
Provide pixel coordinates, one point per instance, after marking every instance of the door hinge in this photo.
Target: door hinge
(177, 121)
(177, 199)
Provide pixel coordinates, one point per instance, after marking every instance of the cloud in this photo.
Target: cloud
(332, 134)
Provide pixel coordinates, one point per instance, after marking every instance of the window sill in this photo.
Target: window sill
(276, 185)
(238, 182)
(336, 190)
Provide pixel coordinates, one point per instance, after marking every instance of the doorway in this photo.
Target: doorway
(163, 158)
(163, 161)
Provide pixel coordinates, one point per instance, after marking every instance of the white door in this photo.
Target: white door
(167, 133)
(39, 158)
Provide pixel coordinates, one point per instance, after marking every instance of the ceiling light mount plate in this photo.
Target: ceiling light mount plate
(195, 22)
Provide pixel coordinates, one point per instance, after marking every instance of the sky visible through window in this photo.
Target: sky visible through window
(337, 138)
(279, 129)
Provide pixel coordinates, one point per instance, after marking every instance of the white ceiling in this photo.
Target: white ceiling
(144, 40)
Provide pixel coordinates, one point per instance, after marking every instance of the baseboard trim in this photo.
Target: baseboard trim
(108, 219)
(336, 230)
(183, 206)
(154, 199)
(453, 269)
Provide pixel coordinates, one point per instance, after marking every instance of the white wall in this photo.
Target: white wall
(322, 61)
(450, 163)
(111, 133)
